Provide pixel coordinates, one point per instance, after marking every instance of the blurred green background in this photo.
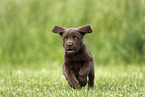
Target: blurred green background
(26, 38)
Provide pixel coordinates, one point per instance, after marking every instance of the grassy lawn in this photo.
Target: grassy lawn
(116, 80)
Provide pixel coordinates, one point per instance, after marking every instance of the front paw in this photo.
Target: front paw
(82, 80)
(74, 85)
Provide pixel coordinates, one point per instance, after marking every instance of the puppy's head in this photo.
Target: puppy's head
(72, 37)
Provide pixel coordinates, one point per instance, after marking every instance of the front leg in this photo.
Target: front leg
(84, 72)
(73, 82)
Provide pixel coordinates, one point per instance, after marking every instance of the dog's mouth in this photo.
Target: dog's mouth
(70, 51)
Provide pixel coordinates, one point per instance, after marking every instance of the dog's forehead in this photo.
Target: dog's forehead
(71, 30)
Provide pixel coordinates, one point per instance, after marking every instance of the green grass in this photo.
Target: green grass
(115, 80)
(26, 36)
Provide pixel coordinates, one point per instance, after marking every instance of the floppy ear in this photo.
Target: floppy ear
(58, 29)
(85, 29)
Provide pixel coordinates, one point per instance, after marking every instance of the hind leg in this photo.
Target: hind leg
(91, 78)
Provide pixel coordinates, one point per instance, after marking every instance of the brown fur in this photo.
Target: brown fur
(78, 61)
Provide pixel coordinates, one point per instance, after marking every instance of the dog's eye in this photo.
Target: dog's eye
(64, 38)
(75, 37)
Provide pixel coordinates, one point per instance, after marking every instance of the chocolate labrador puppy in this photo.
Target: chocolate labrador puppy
(78, 67)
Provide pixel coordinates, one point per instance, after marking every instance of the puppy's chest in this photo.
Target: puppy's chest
(75, 66)
(75, 62)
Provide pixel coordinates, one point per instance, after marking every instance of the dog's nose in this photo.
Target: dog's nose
(69, 44)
